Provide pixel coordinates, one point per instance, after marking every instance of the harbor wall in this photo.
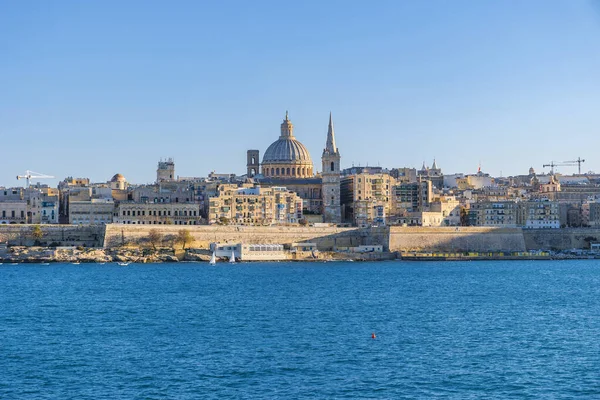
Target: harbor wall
(561, 239)
(456, 239)
(53, 235)
(449, 239)
(326, 238)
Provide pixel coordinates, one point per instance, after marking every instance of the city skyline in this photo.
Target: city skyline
(111, 88)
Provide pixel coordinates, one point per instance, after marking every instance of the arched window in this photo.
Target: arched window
(277, 171)
(272, 171)
(252, 161)
(294, 171)
(332, 166)
(288, 171)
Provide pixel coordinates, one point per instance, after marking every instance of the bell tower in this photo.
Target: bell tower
(252, 163)
(332, 211)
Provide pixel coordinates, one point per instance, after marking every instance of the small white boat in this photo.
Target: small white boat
(45, 264)
(213, 259)
(76, 263)
(124, 264)
(232, 258)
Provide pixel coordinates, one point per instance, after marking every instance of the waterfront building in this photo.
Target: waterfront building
(42, 204)
(593, 219)
(254, 205)
(494, 213)
(38, 204)
(158, 213)
(366, 198)
(91, 212)
(13, 212)
(448, 209)
(412, 196)
(540, 214)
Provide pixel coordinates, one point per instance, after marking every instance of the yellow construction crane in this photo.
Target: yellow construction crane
(553, 164)
(29, 175)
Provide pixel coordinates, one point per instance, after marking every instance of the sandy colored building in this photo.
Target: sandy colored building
(367, 198)
(255, 205)
(91, 212)
(165, 213)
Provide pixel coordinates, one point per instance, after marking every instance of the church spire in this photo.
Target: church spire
(330, 145)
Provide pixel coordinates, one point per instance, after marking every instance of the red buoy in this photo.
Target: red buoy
(373, 336)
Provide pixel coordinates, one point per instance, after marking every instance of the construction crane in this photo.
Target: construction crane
(29, 175)
(553, 164)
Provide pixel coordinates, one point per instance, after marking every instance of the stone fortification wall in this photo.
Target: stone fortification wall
(327, 238)
(561, 239)
(456, 239)
(56, 235)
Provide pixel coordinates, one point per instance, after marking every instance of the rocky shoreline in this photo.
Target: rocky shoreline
(24, 254)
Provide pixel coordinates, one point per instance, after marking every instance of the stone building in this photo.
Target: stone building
(37, 204)
(539, 214)
(91, 212)
(13, 212)
(501, 214)
(165, 171)
(163, 213)
(256, 205)
(367, 198)
(411, 196)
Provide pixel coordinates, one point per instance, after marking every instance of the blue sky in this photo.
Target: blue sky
(94, 88)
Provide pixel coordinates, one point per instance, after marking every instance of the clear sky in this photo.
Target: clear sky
(89, 89)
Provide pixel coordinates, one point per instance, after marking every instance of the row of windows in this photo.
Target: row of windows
(160, 213)
(287, 171)
(12, 214)
(160, 222)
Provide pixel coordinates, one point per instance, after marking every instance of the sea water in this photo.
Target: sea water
(301, 330)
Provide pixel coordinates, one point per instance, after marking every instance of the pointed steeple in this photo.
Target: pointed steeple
(434, 166)
(330, 145)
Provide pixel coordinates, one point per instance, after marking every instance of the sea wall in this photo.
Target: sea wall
(449, 239)
(326, 238)
(560, 239)
(55, 235)
(456, 239)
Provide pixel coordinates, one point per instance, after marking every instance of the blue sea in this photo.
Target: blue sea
(448, 330)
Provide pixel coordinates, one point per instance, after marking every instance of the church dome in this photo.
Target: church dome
(287, 157)
(118, 178)
(287, 151)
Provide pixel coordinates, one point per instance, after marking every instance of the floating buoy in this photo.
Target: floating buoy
(373, 336)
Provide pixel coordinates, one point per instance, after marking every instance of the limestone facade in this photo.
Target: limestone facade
(167, 213)
(250, 205)
(91, 212)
